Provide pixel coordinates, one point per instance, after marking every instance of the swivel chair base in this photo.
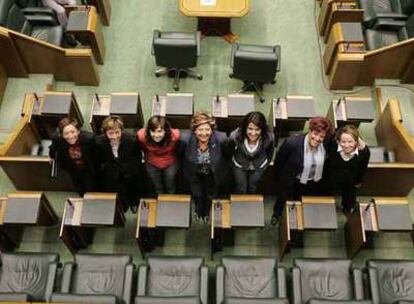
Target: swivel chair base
(253, 86)
(176, 72)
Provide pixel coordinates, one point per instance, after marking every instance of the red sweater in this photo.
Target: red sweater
(160, 157)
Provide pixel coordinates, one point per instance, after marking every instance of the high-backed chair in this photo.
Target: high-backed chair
(326, 281)
(27, 276)
(388, 32)
(168, 279)
(250, 280)
(391, 281)
(255, 65)
(176, 52)
(37, 25)
(96, 278)
(375, 10)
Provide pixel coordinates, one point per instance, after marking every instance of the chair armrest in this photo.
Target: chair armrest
(129, 275)
(198, 37)
(388, 24)
(67, 277)
(296, 289)
(155, 35)
(373, 284)
(219, 284)
(142, 280)
(50, 280)
(41, 20)
(204, 285)
(358, 284)
(281, 282)
(234, 48)
(38, 11)
(279, 57)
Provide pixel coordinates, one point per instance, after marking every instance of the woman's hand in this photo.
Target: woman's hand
(358, 185)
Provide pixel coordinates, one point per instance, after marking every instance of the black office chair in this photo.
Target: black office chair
(320, 280)
(391, 281)
(375, 10)
(42, 26)
(255, 65)
(176, 52)
(170, 280)
(27, 277)
(96, 278)
(250, 280)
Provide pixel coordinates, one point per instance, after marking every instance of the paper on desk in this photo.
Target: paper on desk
(207, 2)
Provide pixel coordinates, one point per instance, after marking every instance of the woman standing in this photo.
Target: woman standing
(203, 162)
(74, 150)
(252, 147)
(299, 164)
(346, 164)
(120, 163)
(159, 143)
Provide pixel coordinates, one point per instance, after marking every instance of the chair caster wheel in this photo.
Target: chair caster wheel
(262, 99)
(200, 77)
(176, 87)
(157, 75)
(231, 75)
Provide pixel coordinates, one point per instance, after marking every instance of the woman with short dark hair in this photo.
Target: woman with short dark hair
(299, 164)
(74, 150)
(119, 158)
(159, 142)
(252, 148)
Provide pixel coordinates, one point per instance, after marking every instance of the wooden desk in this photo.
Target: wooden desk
(82, 215)
(83, 23)
(125, 105)
(177, 107)
(155, 215)
(230, 110)
(351, 110)
(20, 209)
(290, 114)
(312, 213)
(381, 214)
(334, 11)
(3, 81)
(348, 36)
(104, 9)
(214, 20)
(49, 109)
(241, 211)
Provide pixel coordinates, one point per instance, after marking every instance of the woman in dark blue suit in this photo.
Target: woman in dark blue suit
(203, 162)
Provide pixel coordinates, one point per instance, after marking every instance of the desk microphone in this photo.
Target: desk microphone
(36, 97)
(371, 202)
(157, 98)
(278, 100)
(69, 202)
(339, 102)
(217, 98)
(98, 100)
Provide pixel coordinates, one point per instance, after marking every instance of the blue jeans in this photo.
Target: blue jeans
(246, 180)
(163, 180)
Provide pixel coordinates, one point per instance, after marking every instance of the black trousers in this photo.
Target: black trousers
(203, 189)
(295, 191)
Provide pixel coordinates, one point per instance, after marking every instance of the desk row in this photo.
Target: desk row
(82, 216)
(98, 278)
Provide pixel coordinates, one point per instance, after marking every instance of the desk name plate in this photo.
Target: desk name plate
(208, 2)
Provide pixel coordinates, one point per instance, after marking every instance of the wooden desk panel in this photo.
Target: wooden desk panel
(3, 81)
(104, 9)
(223, 8)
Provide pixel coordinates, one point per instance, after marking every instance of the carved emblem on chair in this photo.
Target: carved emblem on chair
(324, 286)
(397, 283)
(249, 281)
(101, 281)
(25, 275)
(174, 281)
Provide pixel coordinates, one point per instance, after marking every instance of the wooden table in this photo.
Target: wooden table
(214, 20)
(368, 219)
(299, 216)
(247, 211)
(20, 209)
(83, 23)
(82, 215)
(155, 215)
(125, 105)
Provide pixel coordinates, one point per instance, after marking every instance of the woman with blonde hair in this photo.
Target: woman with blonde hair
(202, 154)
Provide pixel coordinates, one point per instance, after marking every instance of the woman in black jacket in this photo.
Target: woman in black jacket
(119, 158)
(346, 163)
(74, 151)
(252, 148)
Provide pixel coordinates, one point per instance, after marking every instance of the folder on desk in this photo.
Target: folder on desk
(22, 210)
(124, 103)
(247, 214)
(300, 107)
(319, 216)
(239, 104)
(78, 21)
(57, 104)
(394, 217)
(173, 214)
(98, 212)
(179, 104)
(359, 109)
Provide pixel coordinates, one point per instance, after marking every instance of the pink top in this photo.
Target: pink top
(160, 157)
